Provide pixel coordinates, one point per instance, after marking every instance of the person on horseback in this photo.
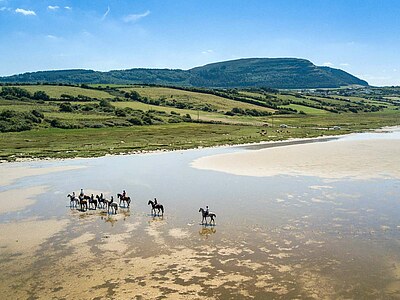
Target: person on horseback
(123, 194)
(207, 210)
(81, 194)
(155, 201)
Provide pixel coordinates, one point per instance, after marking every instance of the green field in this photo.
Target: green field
(194, 98)
(95, 128)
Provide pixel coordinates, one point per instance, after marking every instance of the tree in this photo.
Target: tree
(41, 95)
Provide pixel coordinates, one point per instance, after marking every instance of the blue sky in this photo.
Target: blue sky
(361, 37)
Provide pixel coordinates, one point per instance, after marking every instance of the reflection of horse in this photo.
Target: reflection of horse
(113, 205)
(206, 231)
(72, 200)
(205, 216)
(125, 199)
(157, 206)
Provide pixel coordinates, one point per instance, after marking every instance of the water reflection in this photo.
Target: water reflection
(207, 230)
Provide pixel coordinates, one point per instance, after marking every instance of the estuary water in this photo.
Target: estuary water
(281, 235)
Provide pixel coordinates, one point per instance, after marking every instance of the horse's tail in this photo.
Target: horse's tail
(162, 209)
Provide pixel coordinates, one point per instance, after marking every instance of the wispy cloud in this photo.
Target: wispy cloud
(5, 8)
(207, 51)
(25, 12)
(55, 7)
(344, 64)
(106, 14)
(328, 64)
(135, 17)
(68, 7)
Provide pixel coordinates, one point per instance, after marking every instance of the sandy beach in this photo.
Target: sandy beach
(358, 159)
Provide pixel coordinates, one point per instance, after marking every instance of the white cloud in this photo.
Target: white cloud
(344, 64)
(52, 37)
(68, 7)
(25, 12)
(136, 17)
(207, 51)
(328, 64)
(4, 8)
(53, 7)
(106, 14)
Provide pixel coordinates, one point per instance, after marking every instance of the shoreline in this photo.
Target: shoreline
(357, 158)
(247, 146)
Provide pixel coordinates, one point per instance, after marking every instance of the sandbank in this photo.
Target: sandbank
(358, 159)
(9, 174)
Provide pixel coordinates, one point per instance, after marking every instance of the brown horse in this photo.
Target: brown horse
(102, 202)
(83, 202)
(205, 216)
(154, 206)
(113, 205)
(92, 201)
(125, 199)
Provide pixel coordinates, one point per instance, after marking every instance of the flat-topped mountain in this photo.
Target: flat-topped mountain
(281, 73)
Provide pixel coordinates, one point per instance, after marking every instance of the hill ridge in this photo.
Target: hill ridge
(283, 73)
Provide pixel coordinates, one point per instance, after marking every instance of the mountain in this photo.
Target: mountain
(282, 73)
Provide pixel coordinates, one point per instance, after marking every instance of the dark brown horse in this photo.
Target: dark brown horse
(113, 205)
(157, 206)
(102, 202)
(93, 202)
(125, 199)
(207, 215)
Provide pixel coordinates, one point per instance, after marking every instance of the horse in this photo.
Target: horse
(72, 200)
(125, 199)
(113, 205)
(158, 206)
(83, 203)
(205, 215)
(93, 201)
(101, 200)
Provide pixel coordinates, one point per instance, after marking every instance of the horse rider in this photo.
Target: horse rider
(155, 201)
(81, 194)
(123, 194)
(207, 210)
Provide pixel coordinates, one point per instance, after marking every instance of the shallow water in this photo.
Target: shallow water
(275, 237)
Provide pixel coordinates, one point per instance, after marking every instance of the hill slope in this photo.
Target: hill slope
(252, 72)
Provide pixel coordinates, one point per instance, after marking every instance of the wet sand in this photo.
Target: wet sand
(364, 159)
(12, 172)
(19, 199)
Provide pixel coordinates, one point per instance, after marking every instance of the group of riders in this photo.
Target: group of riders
(124, 196)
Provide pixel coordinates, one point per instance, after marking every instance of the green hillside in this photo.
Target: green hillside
(281, 73)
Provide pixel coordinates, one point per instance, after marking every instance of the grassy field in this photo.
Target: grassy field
(194, 98)
(115, 134)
